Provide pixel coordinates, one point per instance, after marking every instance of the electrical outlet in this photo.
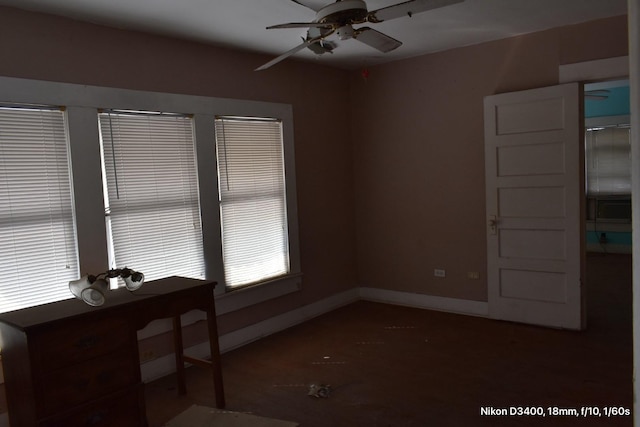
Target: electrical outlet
(473, 275)
(439, 272)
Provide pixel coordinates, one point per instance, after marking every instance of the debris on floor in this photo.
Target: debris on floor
(400, 327)
(319, 390)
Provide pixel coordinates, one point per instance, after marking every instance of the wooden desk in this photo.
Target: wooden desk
(70, 364)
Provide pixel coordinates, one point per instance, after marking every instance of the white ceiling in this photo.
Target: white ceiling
(241, 24)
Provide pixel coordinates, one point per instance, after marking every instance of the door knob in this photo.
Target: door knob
(493, 224)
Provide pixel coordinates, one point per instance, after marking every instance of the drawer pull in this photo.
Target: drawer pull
(88, 342)
(102, 378)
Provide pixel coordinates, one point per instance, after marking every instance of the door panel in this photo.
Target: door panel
(534, 160)
(517, 202)
(533, 285)
(529, 116)
(530, 159)
(532, 244)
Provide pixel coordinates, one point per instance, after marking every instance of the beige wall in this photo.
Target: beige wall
(389, 168)
(44, 47)
(419, 154)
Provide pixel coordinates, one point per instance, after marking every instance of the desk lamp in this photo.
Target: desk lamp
(93, 289)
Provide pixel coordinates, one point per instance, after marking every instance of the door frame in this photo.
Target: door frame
(610, 69)
(591, 72)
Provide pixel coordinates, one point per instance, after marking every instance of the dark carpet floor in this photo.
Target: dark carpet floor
(396, 366)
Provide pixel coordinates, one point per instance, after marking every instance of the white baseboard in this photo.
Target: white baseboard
(160, 326)
(283, 321)
(430, 302)
(165, 365)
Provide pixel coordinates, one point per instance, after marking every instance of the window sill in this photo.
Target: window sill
(236, 299)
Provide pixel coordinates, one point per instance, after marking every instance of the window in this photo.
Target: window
(164, 211)
(38, 253)
(608, 155)
(252, 193)
(151, 196)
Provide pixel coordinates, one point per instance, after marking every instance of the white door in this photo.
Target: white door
(534, 160)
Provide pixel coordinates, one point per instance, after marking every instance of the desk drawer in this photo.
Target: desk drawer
(74, 342)
(86, 381)
(122, 409)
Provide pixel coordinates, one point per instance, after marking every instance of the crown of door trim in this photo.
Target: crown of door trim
(601, 69)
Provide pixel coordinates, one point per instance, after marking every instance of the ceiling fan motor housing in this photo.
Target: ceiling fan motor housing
(343, 12)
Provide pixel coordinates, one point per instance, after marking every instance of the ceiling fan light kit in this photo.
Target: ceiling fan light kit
(339, 18)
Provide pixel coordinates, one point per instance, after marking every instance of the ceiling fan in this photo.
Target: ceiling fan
(338, 18)
(597, 94)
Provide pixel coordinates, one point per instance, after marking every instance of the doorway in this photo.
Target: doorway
(608, 205)
(537, 194)
(608, 167)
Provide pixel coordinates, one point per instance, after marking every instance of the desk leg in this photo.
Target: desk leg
(179, 352)
(216, 366)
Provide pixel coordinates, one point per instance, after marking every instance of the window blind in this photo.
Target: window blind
(608, 153)
(38, 252)
(152, 205)
(252, 199)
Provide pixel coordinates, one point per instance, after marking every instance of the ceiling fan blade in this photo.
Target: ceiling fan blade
(289, 53)
(303, 25)
(598, 92)
(305, 5)
(376, 39)
(408, 8)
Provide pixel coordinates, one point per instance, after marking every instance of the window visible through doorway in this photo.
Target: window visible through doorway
(608, 166)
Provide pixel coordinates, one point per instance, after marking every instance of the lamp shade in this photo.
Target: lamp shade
(91, 293)
(77, 286)
(134, 281)
(95, 294)
(93, 289)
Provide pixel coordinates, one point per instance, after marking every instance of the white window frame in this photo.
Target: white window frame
(252, 184)
(39, 221)
(83, 102)
(126, 148)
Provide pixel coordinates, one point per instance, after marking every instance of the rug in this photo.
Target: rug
(202, 416)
